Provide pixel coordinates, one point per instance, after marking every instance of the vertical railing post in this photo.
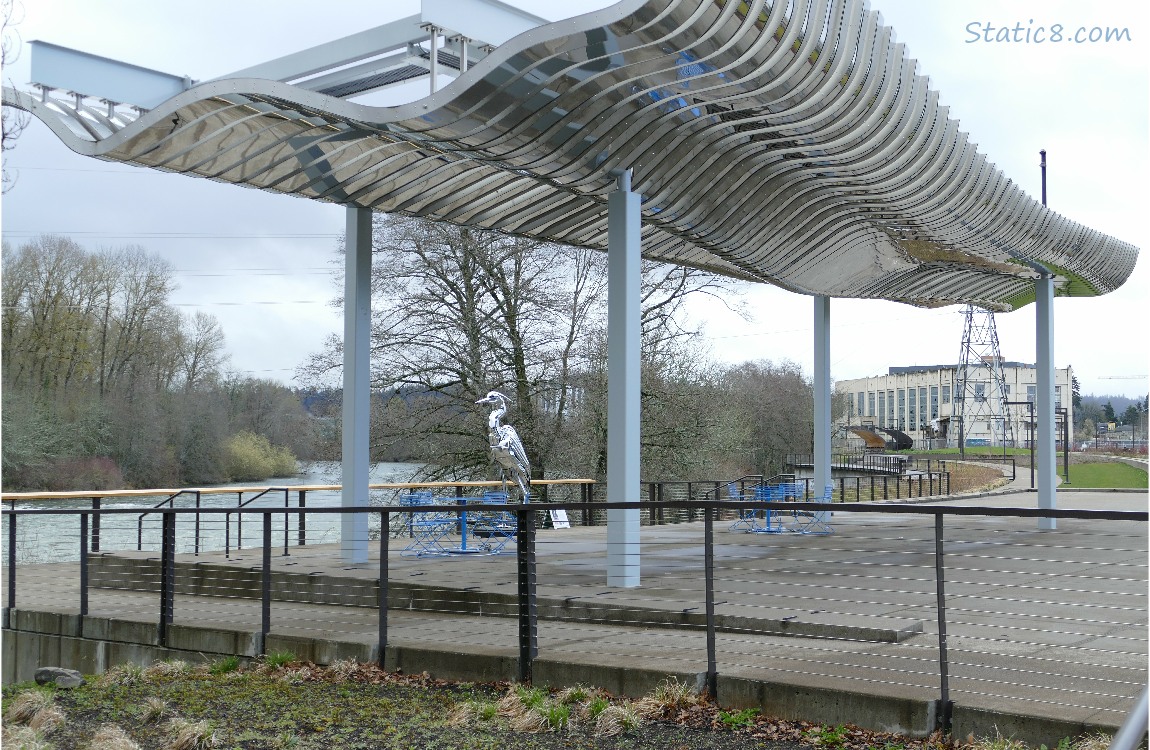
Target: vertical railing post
(96, 525)
(942, 718)
(709, 585)
(287, 499)
(11, 605)
(525, 564)
(239, 521)
(266, 584)
(384, 536)
(227, 536)
(302, 523)
(196, 541)
(167, 573)
(83, 565)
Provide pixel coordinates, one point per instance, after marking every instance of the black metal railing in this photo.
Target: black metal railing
(526, 607)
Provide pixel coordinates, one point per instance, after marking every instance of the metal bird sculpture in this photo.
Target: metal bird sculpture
(506, 447)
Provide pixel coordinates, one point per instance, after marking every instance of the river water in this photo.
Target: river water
(52, 538)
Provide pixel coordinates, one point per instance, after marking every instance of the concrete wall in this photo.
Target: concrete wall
(31, 639)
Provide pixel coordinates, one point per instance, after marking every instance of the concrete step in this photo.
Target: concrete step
(141, 572)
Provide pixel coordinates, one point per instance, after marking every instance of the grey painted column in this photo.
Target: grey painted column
(1044, 408)
(356, 382)
(623, 362)
(822, 386)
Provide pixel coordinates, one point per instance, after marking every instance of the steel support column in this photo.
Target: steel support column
(822, 385)
(356, 382)
(623, 331)
(1044, 345)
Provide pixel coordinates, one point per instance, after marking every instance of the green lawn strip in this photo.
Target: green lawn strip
(1107, 475)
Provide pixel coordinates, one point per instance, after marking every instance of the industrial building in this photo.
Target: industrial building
(922, 402)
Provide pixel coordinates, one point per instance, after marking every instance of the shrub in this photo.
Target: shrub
(251, 457)
(279, 659)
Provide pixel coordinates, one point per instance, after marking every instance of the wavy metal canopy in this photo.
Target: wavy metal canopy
(790, 143)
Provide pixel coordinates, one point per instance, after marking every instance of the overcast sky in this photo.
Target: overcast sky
(262, 263)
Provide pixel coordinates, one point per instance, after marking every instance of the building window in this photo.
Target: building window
(922, 404)
(1032, 393)
(934, 402)
(881, 409)
(870, 403)
(980, 392)
(862, 403)
(1006, 390)
(946, 394)
(912, 411)
(1058, 396)
(890, 408)
(901, 409)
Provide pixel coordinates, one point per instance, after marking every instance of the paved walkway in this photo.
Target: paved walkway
(1050, 625)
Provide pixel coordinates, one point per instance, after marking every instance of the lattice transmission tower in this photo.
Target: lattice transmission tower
(979, 386)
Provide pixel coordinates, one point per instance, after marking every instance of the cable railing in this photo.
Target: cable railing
(970, 605)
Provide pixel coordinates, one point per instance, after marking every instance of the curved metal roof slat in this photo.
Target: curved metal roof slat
(794, 143)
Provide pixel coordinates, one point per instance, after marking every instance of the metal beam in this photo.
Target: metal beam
(356, 382)
(491, 21)
(57, 67)
(623, 362)
(1044, 344)
(333, 54)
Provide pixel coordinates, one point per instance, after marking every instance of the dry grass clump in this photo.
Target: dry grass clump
(20, 737)
(670, 695)
(191, 735)
(153, 709)
(37, 710)
(122, 674)
(1096, 741)
(112, 737)
(47, 719)
(343, 669)
(617, 719)
(172, 668)
(27, 704)
(470, 713)
(534, 710)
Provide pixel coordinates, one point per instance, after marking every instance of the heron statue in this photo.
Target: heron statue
(506, 447)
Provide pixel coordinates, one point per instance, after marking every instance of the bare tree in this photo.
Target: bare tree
(458, 312)
(771, 409)
(13, 120)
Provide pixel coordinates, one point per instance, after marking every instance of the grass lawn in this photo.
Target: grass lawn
(971, 450)
(1107, 475)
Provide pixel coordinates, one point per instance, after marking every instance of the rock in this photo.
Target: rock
(63, 678)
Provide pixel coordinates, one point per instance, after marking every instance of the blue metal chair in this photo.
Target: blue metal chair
(748, 517)
(496, 526)
(425, 528)
(771, 521)
(816, 522)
